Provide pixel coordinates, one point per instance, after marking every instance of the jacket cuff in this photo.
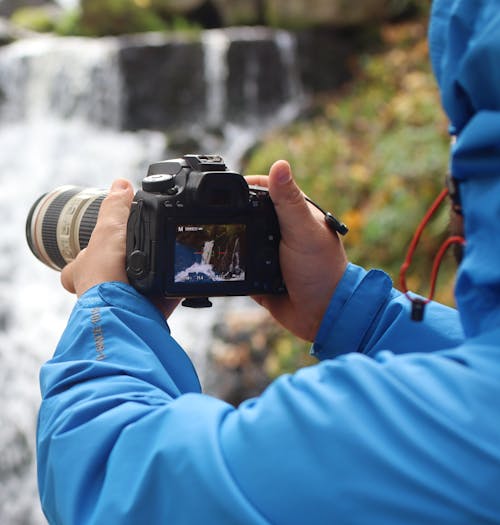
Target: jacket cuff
(120, 295)
(355, 305)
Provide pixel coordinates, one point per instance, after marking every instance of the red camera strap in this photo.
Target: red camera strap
(418, 305)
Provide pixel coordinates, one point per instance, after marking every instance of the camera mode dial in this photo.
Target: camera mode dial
(159, 184)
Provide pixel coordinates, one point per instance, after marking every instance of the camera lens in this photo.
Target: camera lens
(60, 223)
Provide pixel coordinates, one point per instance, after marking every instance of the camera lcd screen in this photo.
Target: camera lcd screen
(206, 253)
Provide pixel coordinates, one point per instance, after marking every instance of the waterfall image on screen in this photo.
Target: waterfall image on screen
(209, 253)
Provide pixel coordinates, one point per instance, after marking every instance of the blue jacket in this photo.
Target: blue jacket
(398, 423)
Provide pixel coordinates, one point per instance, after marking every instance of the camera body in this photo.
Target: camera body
(198, 230)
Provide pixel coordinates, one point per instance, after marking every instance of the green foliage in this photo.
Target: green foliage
(288, 354)
(181, 24)
(376, 154)
(115, 17)
(100, 18)
(39, 19)
(69, 24)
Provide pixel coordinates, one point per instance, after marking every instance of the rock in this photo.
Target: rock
(10, 32)
(38, 19)
(307, 13)
(240, 77)
(165, 82)
(323, 57)
(240, 12)
(243, 340)
(303, 13)
(257, 80)
(200, 89)
(177, 6)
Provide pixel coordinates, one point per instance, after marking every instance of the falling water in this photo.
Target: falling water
(41, 149)
(60, 122)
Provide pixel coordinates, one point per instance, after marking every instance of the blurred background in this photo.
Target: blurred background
(95, 89)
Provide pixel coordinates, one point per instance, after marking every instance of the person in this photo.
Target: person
(398, 422)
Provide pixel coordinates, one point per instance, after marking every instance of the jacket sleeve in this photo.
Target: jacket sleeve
(124, 435)
(366, 314)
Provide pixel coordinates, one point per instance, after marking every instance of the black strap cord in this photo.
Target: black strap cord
(333, 223)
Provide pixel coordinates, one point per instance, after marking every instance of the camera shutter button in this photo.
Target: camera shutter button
(158, 183)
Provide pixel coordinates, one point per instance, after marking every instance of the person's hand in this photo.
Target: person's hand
(312, 257)
(104, 258)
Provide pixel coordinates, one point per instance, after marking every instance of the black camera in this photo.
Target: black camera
(198, 230)
(195, 230)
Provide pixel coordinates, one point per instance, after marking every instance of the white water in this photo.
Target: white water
(68, 4)
(34, 158)
(39, 151)
(237, 139)
(60, 125)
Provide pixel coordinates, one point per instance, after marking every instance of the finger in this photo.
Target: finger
(284, 311)
(273, 303)
(166, 306)
(289, 201)
(67, 279)
(257, 180)
(114, 212)
(118, 201)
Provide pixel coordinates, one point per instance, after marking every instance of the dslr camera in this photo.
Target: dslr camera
(195, 230)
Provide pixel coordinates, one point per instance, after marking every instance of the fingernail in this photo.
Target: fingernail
(119, 185)
(284, 174)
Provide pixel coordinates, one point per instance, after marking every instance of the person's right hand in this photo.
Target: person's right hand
(312, 257)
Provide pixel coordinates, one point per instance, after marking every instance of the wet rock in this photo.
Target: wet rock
(307, 13)
(10, 32)
(239, 76)
(257, 82)
(238, 12)
(173, 83)
(323, 57)
(177, 6)
(242, 342)
(165, 82)
(304, 13)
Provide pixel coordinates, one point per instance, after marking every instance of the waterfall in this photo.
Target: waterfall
(80, 80)
(234, 266)
(244, 118)
(207, 252)
(63, 114)
(44, 82)
(215, 45)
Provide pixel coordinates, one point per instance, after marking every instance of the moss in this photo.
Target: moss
(39, 19)
(376, 154)
(116, 17)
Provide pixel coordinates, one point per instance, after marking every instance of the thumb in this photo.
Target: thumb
(289, 201)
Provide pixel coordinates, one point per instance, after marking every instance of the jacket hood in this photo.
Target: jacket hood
(465, 53)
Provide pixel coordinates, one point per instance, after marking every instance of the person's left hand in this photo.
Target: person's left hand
(104, 258)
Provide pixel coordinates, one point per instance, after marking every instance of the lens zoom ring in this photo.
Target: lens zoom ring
(88, 221)
(49, 226)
